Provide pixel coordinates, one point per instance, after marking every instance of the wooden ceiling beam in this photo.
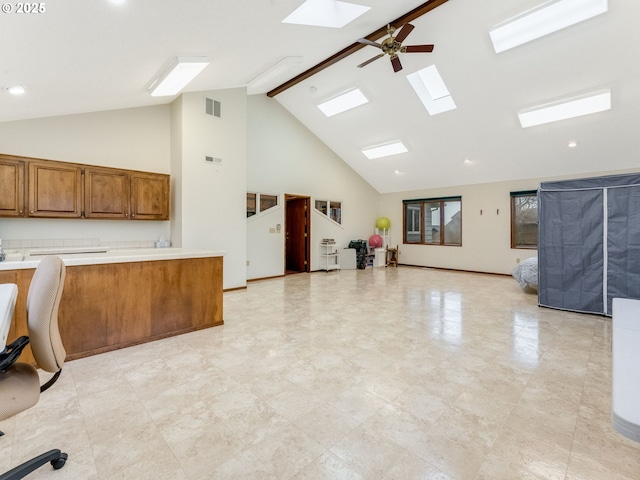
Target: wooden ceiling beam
(397, 23)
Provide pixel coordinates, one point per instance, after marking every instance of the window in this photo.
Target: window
(524, 219)
(263, 200)
(433, 221)
(330, 208)
(267, 201)
(251, 204)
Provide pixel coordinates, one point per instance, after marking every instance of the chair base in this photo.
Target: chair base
(55, 457)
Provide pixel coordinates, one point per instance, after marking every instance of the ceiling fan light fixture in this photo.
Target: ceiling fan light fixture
(431, 90)
(177, 75)
(594, 102)
(325, 13)
(341, 103)
(386, 150)
(542, 20)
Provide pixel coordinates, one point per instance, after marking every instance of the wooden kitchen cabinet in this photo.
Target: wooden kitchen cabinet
(149, 196)
(114, 193)
(11, 187)
(109, 306)
(54, 189)
(106, 193)
(31, 187)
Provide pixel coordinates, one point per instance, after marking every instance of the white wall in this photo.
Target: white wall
(265, 244)
(486, 237)
(176, 171)
(285, 157)
(135, 138)
(212, 197)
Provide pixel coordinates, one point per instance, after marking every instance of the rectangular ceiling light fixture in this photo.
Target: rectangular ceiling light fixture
(543, 20)
(385, 150)
(177, 75)
(573, 107)
(325, 13)
(266, 80)
(430, 88)
(341, 103)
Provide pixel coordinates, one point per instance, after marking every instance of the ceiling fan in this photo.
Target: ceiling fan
(392, 46)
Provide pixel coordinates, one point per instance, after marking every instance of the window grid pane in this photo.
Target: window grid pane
(453, 223)
(335, 211)
(267, 201)
(251, 204)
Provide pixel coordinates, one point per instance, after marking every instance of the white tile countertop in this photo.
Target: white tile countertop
(17, 259)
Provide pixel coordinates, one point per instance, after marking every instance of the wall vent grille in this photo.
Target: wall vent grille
(212, 107)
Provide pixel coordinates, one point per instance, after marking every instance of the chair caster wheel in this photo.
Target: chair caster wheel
(59, 462)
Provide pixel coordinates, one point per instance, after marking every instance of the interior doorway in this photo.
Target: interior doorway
(297, 227)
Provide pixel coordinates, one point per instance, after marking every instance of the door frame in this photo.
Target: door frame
(307, 242)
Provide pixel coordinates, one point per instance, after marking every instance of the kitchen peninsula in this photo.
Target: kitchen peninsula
(118, 298)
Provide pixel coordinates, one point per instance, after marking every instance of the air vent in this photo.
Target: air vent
(213, 160)
(212, 107)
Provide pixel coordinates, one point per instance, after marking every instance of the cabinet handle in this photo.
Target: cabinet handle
(31, 211)
(20, 212)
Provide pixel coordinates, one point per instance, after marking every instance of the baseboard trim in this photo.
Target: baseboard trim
(454, 270)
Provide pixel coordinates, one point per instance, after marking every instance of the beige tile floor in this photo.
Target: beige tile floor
(390, 374)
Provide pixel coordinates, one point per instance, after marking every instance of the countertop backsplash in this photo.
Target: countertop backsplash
(12, 244)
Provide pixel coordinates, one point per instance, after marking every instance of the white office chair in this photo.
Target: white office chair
(19, 382)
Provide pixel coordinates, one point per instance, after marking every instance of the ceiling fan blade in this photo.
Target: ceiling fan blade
(364, 64)
(404, 32)
(366, 41)
(418, 48)
(395, 61)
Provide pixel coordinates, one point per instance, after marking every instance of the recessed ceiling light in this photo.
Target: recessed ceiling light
(572, 144)
(325, 13)
(117, 2)
(398, 172)
(468, 161)
(572, 107)
(431, 89)
(16, 90)
(385, 150)
(177, 75)
(341, 103)
(543, 20)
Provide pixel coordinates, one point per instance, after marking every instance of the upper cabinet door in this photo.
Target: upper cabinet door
(11, 187)
(106, 193)
(55, 189)
(149, 196)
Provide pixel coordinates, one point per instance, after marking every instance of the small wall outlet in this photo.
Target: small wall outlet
(248, 263)
(272, 230)
(517, 260)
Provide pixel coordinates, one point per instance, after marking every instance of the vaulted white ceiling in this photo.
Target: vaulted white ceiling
(81, 56)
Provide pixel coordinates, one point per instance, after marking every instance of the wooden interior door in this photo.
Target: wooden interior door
(297, 229)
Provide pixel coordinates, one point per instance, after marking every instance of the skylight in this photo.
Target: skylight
(341, 103)
(325, 13)
(431, 90)
(385, 150)
(179, 73)
(543, 20)
(573, 107)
